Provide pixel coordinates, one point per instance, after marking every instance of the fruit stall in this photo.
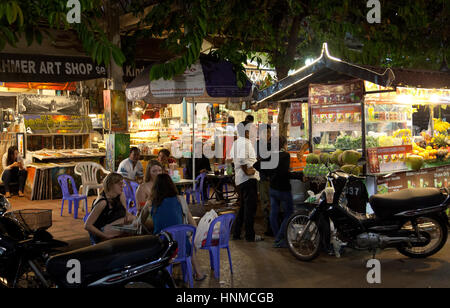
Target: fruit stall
(396, 119)
(403, 147)
(412, 144)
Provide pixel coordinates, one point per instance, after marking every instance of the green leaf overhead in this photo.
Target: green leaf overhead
(284, 32)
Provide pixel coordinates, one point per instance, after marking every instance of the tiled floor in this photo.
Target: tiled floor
(64, 227)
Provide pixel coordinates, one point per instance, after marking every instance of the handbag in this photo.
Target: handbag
(203, 227)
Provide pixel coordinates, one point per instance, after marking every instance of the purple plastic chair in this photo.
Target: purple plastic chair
(75, 197)
(129, 188)
(180, 235)
(226, 221)
(197, 194)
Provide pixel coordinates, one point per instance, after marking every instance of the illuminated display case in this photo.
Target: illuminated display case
(403, 133)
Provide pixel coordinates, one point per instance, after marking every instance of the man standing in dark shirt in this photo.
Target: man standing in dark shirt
(280, 192)
(263, 147)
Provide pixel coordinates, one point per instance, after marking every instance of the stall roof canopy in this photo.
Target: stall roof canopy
(417, 78)
(326, 69)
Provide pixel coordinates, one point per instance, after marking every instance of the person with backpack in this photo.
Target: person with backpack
(108, 209)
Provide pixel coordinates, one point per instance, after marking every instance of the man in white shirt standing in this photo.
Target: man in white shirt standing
(131, 168)
(246, 178)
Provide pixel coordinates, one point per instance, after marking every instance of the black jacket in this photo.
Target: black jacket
(279, 176)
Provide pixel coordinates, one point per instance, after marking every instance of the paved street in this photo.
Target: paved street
(258, 265)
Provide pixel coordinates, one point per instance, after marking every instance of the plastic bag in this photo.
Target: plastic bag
(312, 197)
(203, 227)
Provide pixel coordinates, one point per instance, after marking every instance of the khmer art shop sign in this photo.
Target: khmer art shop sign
(36, 68)
(45, 68)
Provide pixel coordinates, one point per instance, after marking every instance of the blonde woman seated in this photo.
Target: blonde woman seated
(109, 209)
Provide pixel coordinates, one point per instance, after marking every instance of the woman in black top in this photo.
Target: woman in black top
(109, 209)
(13, 170)
(280, 191)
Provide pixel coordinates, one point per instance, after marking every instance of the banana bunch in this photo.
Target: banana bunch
(405, 134)
(402, 132)
(439, 141)
(417, 147)
(440, 126)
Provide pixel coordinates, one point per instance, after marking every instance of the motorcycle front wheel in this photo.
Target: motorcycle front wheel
(433, 230)
(303, 236)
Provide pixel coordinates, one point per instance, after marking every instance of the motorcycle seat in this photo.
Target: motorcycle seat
(407, 199)
(106, 257)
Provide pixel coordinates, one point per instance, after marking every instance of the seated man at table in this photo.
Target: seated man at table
(131, 168)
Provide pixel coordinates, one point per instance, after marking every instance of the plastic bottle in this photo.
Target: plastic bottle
(336, 246)
(229, 169)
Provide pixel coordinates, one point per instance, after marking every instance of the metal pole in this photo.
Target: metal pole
(185, 112)
(363, 133)
(193, 144)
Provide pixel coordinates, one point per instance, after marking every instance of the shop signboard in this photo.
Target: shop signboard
(388, 159)
(109, 158)
(189, 84)
(336, 118)
(44, 68)
(47, 68)
(132, 71)
(430, 177)
(421, 178)
(350, 92)
(117, 149)
(441, 177)
(57, 124)
(392, 183)
(116, 113)
(49, 105)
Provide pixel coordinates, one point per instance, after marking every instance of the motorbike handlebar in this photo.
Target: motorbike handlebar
(167, 236)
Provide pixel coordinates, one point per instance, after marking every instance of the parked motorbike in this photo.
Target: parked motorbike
(32, 258)
(412, 220)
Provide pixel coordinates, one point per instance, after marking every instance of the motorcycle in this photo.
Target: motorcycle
(32, 258)
(412, 220)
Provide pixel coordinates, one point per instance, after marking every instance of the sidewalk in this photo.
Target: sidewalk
(259, 265)
(64, 228)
